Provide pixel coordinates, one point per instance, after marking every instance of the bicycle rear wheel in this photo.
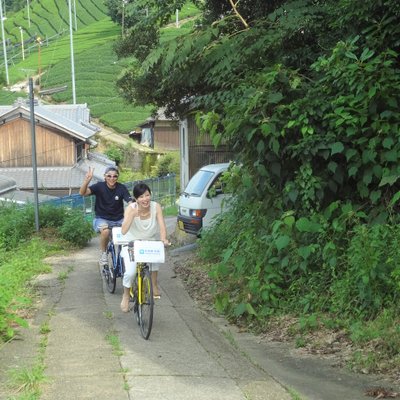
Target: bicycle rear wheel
(109, 273)
(145, 309)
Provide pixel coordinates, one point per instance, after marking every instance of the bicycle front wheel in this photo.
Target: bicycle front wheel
(133, 294)
(146, 306)
(110, 274)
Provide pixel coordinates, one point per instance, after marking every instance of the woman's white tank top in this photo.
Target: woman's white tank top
(145, 229)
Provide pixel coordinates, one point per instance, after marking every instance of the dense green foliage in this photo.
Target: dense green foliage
(22, 252)
(167, 164)
(307, 95)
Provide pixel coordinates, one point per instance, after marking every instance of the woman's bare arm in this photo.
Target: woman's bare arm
(130, 213)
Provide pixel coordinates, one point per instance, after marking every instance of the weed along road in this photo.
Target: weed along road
(95, 351)
(90, 349)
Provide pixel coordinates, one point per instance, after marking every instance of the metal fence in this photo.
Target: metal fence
(163, 191)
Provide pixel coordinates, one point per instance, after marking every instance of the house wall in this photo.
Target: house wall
(166, 135)
(197, 150)
(53, 148)
(202, 151)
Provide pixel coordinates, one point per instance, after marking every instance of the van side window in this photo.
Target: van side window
(216, 188)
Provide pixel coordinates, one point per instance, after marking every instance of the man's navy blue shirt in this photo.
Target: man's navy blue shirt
(110, 202)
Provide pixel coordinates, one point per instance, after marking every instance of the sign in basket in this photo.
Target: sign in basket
(119, 238)
(151, 251)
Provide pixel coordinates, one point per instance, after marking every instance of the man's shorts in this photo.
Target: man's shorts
(101, 223)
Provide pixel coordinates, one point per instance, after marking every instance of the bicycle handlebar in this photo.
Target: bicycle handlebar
(131, 243)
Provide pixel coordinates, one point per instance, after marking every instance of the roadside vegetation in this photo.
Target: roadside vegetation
(306, 93)
(23, 251)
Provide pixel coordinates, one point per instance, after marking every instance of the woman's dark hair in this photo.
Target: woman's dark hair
(139, 189)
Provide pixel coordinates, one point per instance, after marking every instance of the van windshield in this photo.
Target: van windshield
(198, 183)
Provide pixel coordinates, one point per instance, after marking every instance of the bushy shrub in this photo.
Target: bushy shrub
(16, 225)
(51, 216)
(368, 283)
(166, 164)
(76, 229)
(114, 153)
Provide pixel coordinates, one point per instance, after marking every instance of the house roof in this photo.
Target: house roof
(59, 177)
(159, 116)
(74, 119)
(7, 184)
(22, 197)
(10, 193)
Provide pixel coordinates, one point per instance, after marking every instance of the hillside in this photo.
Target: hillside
(49, 18)
(95, 64)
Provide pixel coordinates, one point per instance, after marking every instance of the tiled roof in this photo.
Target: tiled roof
(58, 177)
(7, 184)
(159, 116)
(74, 119)
(21, 197)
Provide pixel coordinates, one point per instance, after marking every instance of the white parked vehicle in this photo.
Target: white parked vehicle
(202, 199)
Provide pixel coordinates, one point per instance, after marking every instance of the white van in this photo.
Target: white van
(202, 199)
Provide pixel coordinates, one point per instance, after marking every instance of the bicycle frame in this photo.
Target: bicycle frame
(115, 250)
(115, 268)
(142, 295)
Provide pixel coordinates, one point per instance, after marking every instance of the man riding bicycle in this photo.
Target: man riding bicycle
(109, 204)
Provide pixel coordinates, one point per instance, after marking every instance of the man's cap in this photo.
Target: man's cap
(112, 168)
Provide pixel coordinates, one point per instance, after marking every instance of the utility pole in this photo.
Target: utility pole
(72, 54)
(34, 163)
(76, 24)
(4, 43)
(29, 17)
(123, 17)
(39, 42)
(22, 42)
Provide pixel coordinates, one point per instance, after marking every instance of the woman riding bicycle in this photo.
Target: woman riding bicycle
(144, 220)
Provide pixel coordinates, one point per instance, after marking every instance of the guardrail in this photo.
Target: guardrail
(163, 190)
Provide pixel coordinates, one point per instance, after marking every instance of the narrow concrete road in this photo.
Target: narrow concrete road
(95, 351)
(186, 356)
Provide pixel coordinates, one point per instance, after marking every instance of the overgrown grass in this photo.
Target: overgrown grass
(26, 381)
(22, 253)
(17, 268)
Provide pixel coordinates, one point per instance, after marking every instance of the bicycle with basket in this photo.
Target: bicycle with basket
(143, 252)
(115, 267)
